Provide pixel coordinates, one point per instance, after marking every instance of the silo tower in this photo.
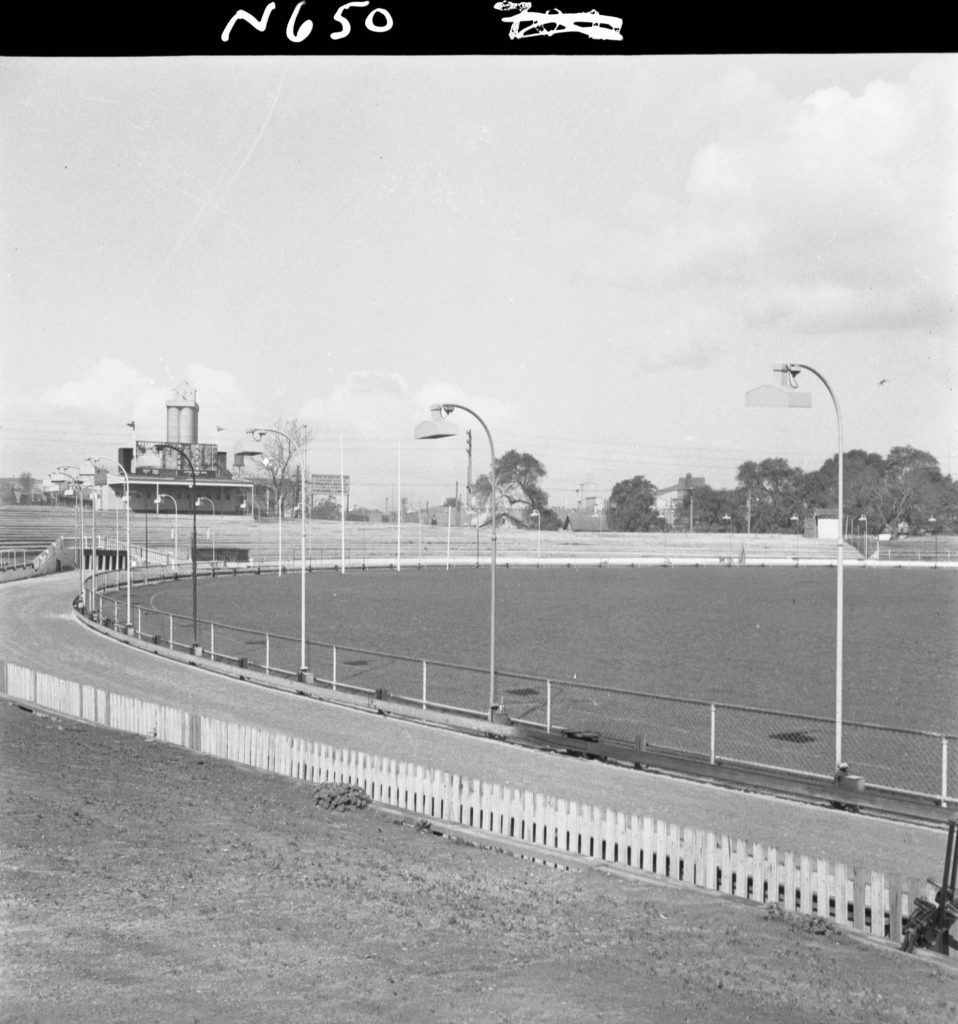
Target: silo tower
(182, 416)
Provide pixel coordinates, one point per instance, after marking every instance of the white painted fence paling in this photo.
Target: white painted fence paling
(853, 897)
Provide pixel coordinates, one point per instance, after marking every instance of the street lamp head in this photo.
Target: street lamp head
(437, 425)
(251, 448)
(787, 374)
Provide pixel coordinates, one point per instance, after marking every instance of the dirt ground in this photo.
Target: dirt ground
(143, 883)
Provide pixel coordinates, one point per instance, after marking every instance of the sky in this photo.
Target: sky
(598, 255)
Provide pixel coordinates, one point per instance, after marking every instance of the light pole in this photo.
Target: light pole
(213, 514)
(279, 552)
(436, 427)
(181, 450)
(665, 529)
(158, 500)
(78, 503)
(864, 519)
(93, 460)
(257, 434)
(771, 396)
(535, 512)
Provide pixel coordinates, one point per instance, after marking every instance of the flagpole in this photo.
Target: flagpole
(398, 505)
(342, 504)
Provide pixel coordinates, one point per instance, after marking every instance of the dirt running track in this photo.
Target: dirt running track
(186, 889)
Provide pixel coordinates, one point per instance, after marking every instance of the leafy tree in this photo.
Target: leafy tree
(710, 505)
(328, 508)
(27, 483)
(910, 490)
(632, 506)
(518, 474)
(772, 490)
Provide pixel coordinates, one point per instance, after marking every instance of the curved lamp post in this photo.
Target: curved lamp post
(256, 451)
(665, 528)
(213, 513)
(78, 495)
(93, 460)
(176, 523)
(181, 450)
(438, 426)
(771, 396)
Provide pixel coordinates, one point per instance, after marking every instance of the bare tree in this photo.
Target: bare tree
(282, 462)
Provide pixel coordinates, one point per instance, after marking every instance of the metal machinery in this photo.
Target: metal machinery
(929, 923)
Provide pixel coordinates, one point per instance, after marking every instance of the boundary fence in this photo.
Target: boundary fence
(852, 897)
(904, 762)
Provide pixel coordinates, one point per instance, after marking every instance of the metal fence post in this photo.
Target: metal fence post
(212, 646)
(139, 621)
(334, 653)
(424, 684)
(171, 631)
(548, 705)
(267, 653)
(711, 734)
(944, 771)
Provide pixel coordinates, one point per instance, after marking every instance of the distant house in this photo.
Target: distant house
(13, 493)
(669, 501)
(826, 524)
(583, 520)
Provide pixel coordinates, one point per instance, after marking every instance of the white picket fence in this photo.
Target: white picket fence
(854, 897)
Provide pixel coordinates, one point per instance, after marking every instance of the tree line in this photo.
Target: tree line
(904, 492)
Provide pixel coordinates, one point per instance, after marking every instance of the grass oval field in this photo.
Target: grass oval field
(763, 637)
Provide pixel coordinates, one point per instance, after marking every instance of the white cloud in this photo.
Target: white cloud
(841, 205)
(113, 390)
(373, 403)
(108, 387)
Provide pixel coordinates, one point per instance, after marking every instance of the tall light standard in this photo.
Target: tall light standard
(78, 504)
(864, 519)
(257, 434)
(438, 426)
(535, 512)
(181, 450)
(213, 514)
(279, 516)
(93, 460)
(158, 500)
(665, 528)
(783, 397)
